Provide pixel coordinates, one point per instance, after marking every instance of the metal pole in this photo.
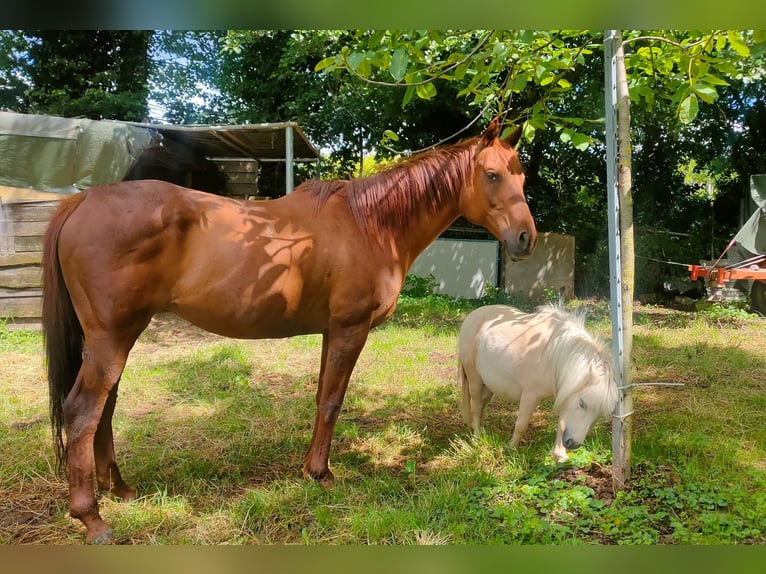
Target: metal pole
(620, 442)
(289, 160)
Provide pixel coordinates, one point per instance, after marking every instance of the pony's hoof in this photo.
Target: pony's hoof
(558, 457)
(103, 538)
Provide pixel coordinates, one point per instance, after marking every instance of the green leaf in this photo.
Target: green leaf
(720, 42)
(391, 135)
(688, 109)
(364, 69)
(528, 131)
(519, 83)
(547, 80)
(354, 60)
(737, 44)
(398, 67)
(707, 94)
(325, 63)
(408, 93)
(426, 91)
(714, 80)
(580, 141)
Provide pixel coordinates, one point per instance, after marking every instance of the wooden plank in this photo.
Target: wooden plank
(21, 277)
(23, 258)
(37, 211)
(21, 307)
(27, 244)
(14, 293)
(29, 228)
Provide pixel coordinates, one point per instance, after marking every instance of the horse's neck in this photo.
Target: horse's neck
(424, 228)
(425, 224)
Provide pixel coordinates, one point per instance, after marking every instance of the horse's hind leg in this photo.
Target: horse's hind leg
(87, 413)
(478, 396)
(108, 475)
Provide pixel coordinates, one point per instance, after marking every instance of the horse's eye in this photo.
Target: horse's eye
(493, 177)
(581, 404)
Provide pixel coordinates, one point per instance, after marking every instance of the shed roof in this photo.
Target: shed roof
(255, 141)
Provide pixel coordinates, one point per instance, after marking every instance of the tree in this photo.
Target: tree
(13, 70)
(271, 76)
(97, 74)
(186, 77)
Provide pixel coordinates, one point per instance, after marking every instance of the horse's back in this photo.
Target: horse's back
(245, 269)
(478, 320)
(507, 348)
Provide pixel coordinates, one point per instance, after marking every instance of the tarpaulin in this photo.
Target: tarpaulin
(65, 155)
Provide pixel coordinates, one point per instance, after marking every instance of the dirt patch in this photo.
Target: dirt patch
(167, 329)
(597, 477)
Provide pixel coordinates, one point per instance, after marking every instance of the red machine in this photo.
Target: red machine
(752, 240)
(750, 269)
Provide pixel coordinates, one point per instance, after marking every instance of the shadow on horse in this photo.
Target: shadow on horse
(329, 258)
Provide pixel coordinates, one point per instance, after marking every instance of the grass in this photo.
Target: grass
(213, 432)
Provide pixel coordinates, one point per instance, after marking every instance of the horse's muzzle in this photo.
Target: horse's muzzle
(569, 442)
(522, 245)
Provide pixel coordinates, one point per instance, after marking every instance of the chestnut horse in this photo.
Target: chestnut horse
(329, 258)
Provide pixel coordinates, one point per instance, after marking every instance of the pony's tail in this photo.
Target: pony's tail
(61, 328)
(465, 404)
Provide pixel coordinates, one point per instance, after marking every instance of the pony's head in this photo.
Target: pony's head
(585, 388)
(495, 198)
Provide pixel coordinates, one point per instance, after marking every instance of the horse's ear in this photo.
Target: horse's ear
(514, 136)
(491, 133)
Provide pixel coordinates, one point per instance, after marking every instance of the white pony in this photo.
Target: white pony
(529, 357)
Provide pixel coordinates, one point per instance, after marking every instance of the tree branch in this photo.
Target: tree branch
(432, 78)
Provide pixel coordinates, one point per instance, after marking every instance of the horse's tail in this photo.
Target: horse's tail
(61, 328)
(465, 404)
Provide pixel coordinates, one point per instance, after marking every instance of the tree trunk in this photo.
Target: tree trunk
(622, 248)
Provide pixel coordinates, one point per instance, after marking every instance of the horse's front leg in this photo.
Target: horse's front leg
(340, 351)
(527, 406)
(559, 452)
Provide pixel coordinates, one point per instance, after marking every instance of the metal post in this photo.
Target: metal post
(289, 160)
(620, 438)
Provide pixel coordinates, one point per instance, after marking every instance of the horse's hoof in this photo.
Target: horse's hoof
(103, 538)
(324, 479)
(125, 493)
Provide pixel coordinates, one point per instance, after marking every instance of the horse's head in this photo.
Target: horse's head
(495, 198)
(594, 398)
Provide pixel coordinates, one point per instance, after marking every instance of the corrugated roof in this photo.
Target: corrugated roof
(255, 141)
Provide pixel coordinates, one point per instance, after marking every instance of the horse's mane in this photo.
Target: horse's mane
(387, 199)
(572, 351)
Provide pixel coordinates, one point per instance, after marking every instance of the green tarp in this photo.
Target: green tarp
(65, 155)
(752, 236)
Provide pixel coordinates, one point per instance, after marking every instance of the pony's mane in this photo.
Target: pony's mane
(387, 199)
(572, 351)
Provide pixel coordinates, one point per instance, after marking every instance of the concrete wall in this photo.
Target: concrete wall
(550, 266)
(461, 266)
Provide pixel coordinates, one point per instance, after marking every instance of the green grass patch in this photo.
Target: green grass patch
(213, 432)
